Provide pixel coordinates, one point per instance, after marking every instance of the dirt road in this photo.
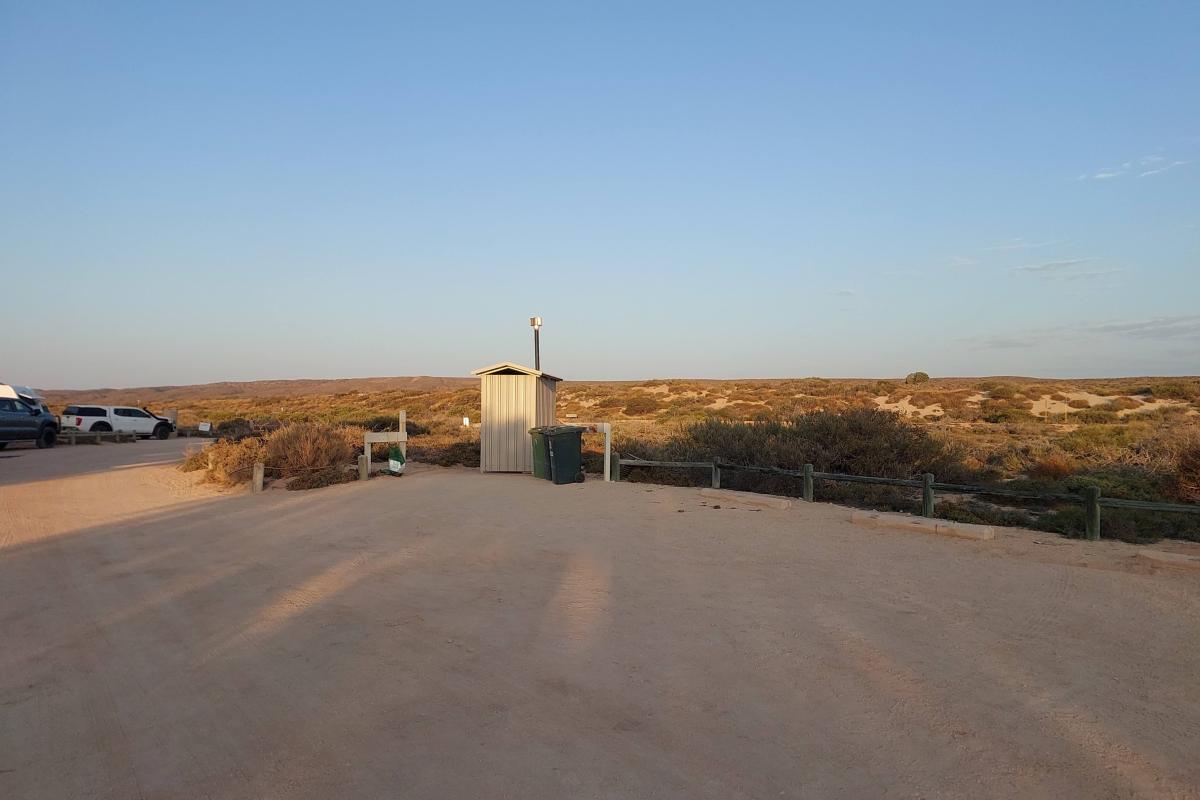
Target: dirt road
(452, 635)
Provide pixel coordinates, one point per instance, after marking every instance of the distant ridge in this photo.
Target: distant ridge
(280, 388)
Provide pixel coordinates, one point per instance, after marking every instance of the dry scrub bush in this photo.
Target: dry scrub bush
(641, 405)
(1121, 404)
(1187, 474)
(194, 461)
(233, 462)
(1053, 467)
(320, 478)
(1079, 403)
(308, 446)
(862, 441)
(1002, 391)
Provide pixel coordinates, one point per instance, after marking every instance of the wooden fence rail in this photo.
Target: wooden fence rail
(1090, 498)
(72, 436)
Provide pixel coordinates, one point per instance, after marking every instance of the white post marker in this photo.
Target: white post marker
(606, 429)
(400, 437)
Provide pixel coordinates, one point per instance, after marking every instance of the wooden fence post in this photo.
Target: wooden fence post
(1091, 511)
(716, 473)
(364, 466)
(808, 483)
(615, 467)
(257, 485)
(927, 495)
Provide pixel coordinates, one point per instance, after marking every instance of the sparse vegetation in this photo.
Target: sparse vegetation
(1130, 437)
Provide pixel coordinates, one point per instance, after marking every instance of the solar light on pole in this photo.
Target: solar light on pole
(536, 324)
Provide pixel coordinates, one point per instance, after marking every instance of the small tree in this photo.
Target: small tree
(916, 377)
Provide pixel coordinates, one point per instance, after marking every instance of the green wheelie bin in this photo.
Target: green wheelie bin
(541, 453)
(558, 453)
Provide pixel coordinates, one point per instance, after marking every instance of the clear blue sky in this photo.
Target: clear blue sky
(208, 191)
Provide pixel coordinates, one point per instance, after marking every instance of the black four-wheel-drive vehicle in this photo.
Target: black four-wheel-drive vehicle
(21, 422)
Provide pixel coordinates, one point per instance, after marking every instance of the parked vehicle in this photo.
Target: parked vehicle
(31, 397)
(21, 422)
(122, 419)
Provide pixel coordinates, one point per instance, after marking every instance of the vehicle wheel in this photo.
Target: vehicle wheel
(3, 445)
(162, 432)
(47, 437)
(101, 426)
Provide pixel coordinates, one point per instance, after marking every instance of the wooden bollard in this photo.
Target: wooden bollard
(364, 466)
(1091, 512)
(716, 473)
(257, 484)
(808, 483)
(927, 495)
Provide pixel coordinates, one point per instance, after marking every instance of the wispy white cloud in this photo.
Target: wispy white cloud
(1152, 164)
(1082, 276)
(843, 293)
(1053, 266)
(1023, 244)
(1177, 328)
(1182, 326)
(1163, 168)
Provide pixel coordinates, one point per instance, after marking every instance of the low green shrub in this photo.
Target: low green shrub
(1174, 390)
(1002, 391)
(641, 406)
(236, 429)
(1004, 412)
(864, 441)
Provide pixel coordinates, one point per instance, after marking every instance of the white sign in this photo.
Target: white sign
(466, 422)
(204, 427)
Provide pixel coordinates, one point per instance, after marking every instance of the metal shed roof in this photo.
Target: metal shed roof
(509, 368)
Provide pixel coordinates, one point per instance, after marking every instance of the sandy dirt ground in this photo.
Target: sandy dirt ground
(452, 635)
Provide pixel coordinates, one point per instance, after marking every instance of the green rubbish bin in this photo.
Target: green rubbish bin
(541, 453)
(558, 453)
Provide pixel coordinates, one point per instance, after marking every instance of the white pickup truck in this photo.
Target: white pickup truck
(122, 419)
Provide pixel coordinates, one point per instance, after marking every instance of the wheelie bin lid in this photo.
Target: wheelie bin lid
(557, 430)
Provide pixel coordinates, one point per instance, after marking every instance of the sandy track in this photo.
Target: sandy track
(453, 635)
